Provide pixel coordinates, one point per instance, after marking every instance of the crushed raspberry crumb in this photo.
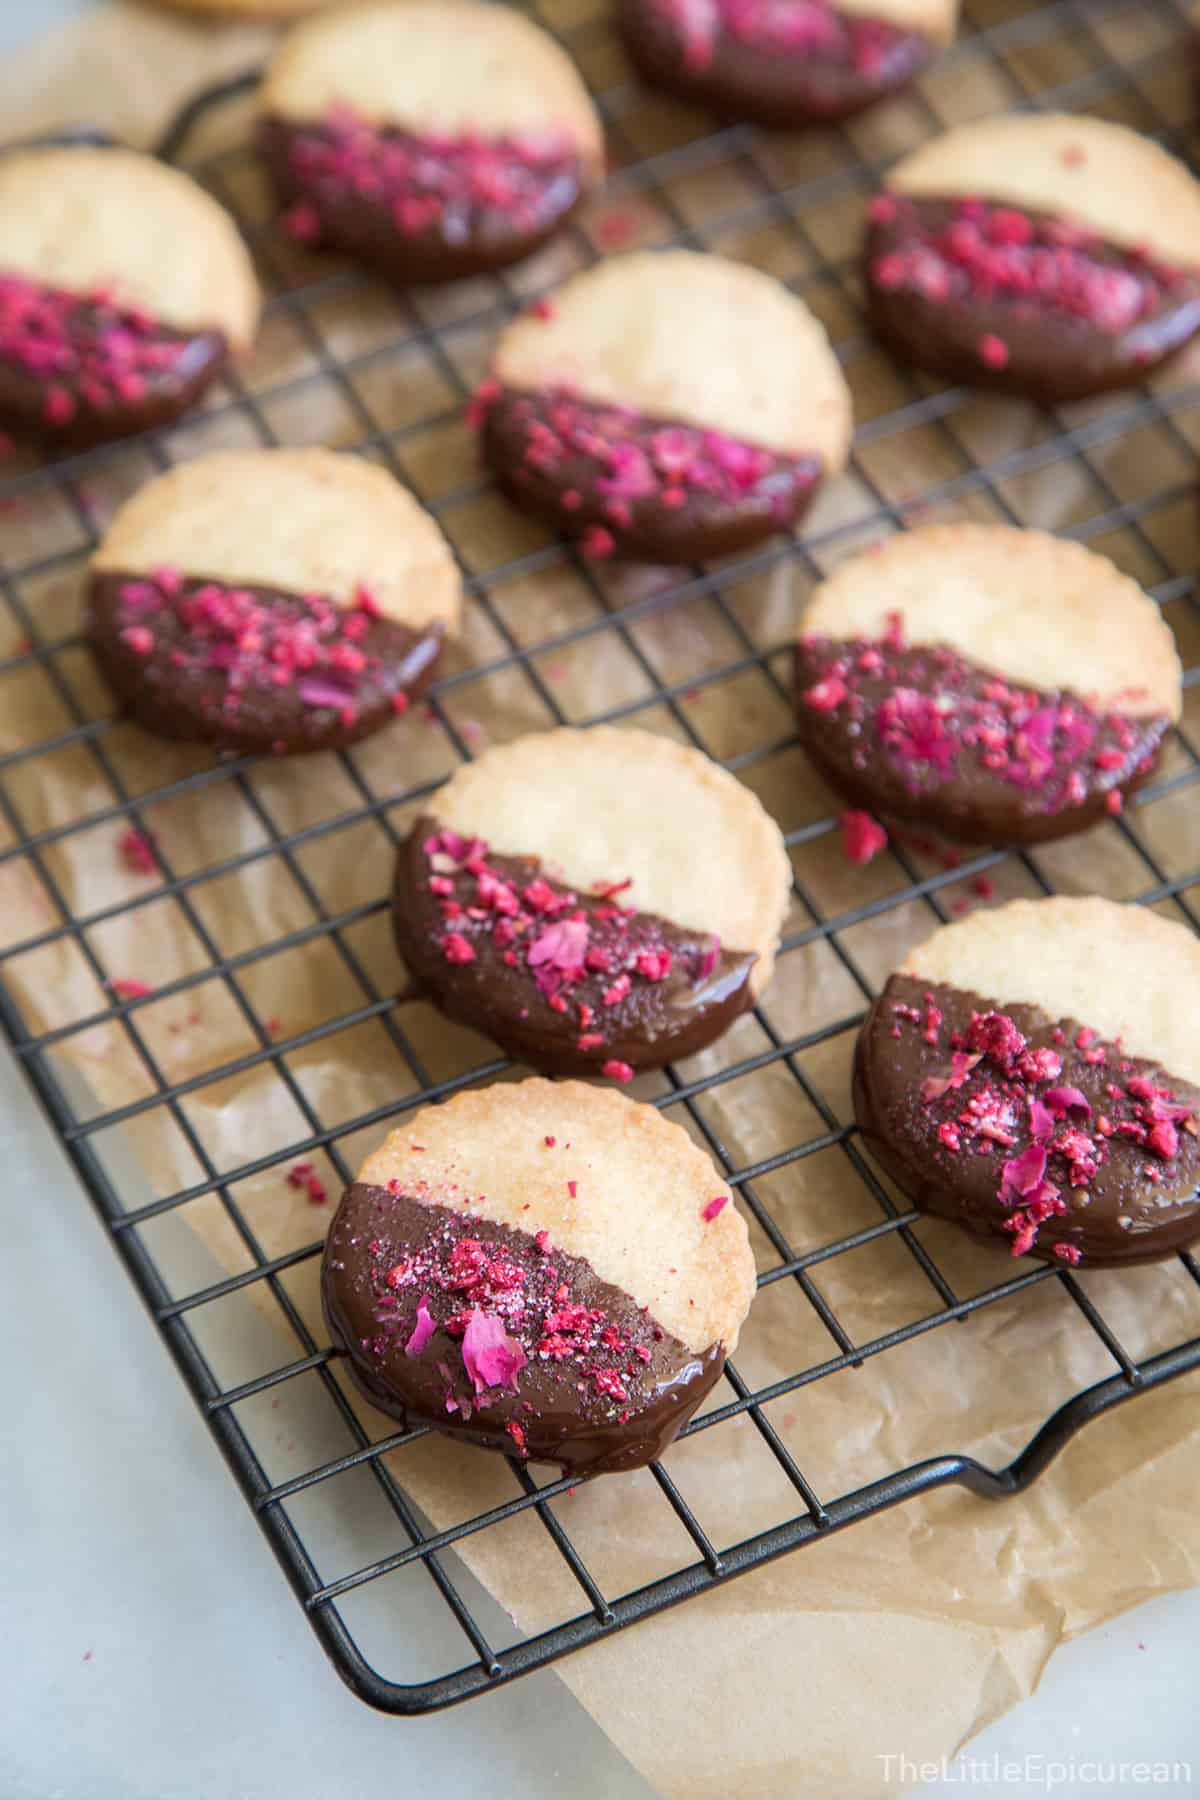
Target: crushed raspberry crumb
(617, 1071)
(862, 837)
(127, 988)
(717, 1204)
(994, 353)
(303, 1175)
(138, 852)
(597, 542)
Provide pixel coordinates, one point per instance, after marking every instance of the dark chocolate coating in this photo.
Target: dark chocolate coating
(1120, 1216)
(769, 83)
(1053, 355)
(466, 241)
(707, 525)
(561, 1411)
(177, 692)
(168, 394)
(970, 801)
(657, 1021)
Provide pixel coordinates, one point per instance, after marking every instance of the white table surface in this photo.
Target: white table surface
(150, 1649)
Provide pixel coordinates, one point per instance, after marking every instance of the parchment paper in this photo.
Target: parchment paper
(908, 1633)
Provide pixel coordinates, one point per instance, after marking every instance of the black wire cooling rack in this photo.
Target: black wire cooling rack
(1127, 469)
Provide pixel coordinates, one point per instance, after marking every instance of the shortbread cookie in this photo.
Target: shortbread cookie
(784, 62)
(1033, 1073)
(278, 600)
(666, 405)
(547, 1269)
(1005, 686)
(1053, 255)
(430, 138)
(596, 901)
(124, 290)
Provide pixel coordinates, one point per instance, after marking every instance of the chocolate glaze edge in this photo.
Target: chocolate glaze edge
(1052, 360)
(581, 1433)
(158, 698)
(22, 397)
(546, 1042)
(1094, 1231)
(702, 530)
(362, 231)
(969, 808)
(744, 82)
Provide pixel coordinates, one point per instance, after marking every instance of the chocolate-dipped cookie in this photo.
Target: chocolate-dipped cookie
(124, 291)
(552, 897)
(1033, 1073)
(432, 139)
(1048, 254)
(279, 600)
(1004, 686)
(784, 62)
(546, 1268)
(666, 405)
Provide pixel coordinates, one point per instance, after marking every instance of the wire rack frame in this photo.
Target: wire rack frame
(1006, 40)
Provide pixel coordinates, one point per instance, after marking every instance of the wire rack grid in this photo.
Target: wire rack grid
(701, 653)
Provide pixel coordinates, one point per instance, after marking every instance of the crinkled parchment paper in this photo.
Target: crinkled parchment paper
(911, 1631)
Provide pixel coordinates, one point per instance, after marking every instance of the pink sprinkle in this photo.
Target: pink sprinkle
(862, 837)
(617, 1071)
(993, 351)
(717, 1204)
(573, 1189)
(984, 886)
(423, 1330)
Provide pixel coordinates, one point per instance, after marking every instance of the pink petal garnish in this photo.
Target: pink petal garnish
(1063, 1100)
(423, 1329)
(492, 1358)
(562, 945)
(315, 692)
(1041, 1121)
(1023, 1174)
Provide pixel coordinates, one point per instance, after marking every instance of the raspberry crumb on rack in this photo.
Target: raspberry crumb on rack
(137, 851)
(125, 987)
(303, 1176)
(862, 837)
